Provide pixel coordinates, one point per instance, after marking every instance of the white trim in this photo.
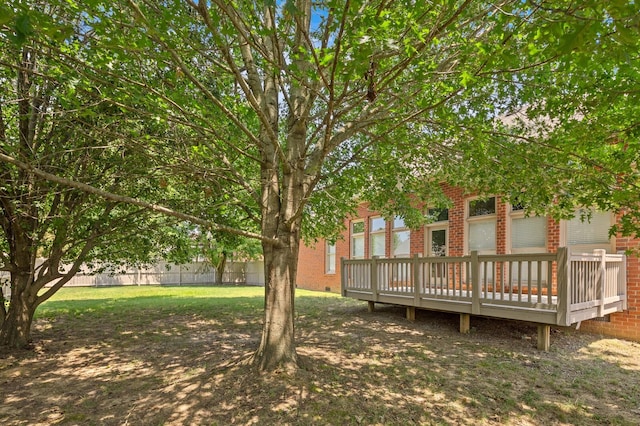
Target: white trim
(382, 233)
(476, 219)
(358, 235)
(429, 229)
(327, 266)
(395, 230)
(436, 226)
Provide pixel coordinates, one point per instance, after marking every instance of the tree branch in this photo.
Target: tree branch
(129, 200)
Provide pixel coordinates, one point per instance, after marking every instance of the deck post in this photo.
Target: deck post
(564, 287)
(622, 281)
(601, 279)
(544, 337)
(417, 281)
(475, 283)
(343, 275)
(465, 323)
(411, 313)
(374, 277)
(371, 306)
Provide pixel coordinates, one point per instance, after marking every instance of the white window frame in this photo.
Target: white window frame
(357, 236)
(330, 258)
(442, 225)
(479, 219)
(396, 230)
(526, 274)
(518, 215)
(429, 240)
(373, 233)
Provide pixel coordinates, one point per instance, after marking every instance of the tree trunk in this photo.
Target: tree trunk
(222, 263)
(277, 347)
(15, 331)
(283, 176)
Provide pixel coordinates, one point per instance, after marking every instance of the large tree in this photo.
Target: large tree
(298, 108)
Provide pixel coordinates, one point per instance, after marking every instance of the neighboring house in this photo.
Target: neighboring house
(483, 226)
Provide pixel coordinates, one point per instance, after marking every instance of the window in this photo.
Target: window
(401, 238)
(481, 207)
(377, 230)
(438, 215)
(591, 233)
(330, 258)
(527, 234)
(436, 241)
(357, 240)
(482, 225)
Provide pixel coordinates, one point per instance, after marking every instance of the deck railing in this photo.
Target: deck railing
(597, 281)
(560, 288)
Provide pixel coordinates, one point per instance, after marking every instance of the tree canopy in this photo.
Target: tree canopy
(53, 119)
(290, 112)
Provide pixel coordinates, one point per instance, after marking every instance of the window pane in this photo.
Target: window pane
(439, 242)
(398, 222)
(401, 243)
(438, 215)
(377, 224)
(528, 232)
(331, 248)
(594, 232)
(377, 245)
(482, 207)
(482, 235)
(331, 258)
(357, 227)
(357, 247)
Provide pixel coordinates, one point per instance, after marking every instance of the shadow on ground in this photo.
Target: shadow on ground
(178, 367)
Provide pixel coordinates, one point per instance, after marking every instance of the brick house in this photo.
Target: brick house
(488, 226)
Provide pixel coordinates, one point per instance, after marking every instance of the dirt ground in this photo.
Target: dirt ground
(357, 368)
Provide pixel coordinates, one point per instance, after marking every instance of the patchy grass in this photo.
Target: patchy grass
(168, 355)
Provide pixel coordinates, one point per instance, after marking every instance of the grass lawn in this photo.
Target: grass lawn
(170, 356)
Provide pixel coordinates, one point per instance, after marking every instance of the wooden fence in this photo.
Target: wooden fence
(162, 273)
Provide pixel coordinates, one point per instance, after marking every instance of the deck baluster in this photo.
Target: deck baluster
(600, 280)
(374, 277)
(475, 283)
(564, 287)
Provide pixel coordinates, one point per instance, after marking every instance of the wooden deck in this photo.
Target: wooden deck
(544, 288)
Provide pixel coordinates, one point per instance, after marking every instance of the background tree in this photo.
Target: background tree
(51, 118)
(297, 107)
(214, 249)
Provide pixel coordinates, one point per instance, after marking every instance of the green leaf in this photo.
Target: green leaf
(326, 59)
(465, 78)
(6, 15)
(23, 25)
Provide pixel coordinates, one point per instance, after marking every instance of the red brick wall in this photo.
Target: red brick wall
(553, 235)
(311, 267)
(312, 273)
(501, 226)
